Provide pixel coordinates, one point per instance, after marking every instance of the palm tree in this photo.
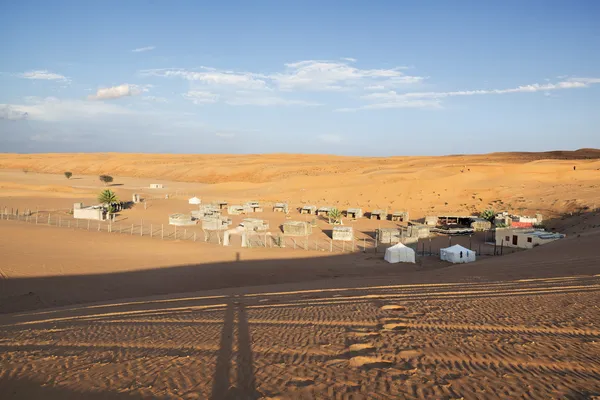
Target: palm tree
(108, 197)
(335, 216)
(488, 214)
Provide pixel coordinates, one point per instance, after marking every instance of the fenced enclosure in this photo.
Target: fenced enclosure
(365, 243)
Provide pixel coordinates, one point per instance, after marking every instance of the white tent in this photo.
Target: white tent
(195, 200)
(457, 254)
(399, 253)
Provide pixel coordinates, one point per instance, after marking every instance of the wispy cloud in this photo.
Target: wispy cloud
(116, 92)
(8, 112)
(143, 49)
(315, 75)
(201, 97)
(210, 85)
(53, 109)
(212, 77)
(262, 100)
(225, 135)
(43, 75)
(155, 99)
(392, 99)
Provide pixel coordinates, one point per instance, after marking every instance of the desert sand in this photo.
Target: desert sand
(87, 314)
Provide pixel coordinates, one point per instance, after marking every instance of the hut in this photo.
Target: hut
(253, 206)
(354, 213)
(457, 254)
(400, 216)
(379, 214)
(431, 220)
(418, 231)
(195, 201)
(308, 210)
(343, 233)
(389, 235)
(181, 219)
(97, 213)
(281, 207)
(255, 225)
(217, 223)
(208, 210)
(480, 224)
(297, 228)
(236, 210)
(156, 186)
(323, 211)
(222, 204)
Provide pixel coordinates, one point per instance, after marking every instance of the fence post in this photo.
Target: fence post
(36, 216)
(88, 224)
(194, 236)
(184, 233)
(294, 240)
(48, 218)
(131, 229)
(141, 227)
(150, 230)
(99, 226)
(430, 247)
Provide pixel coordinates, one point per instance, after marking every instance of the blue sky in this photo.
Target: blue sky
(356, 78)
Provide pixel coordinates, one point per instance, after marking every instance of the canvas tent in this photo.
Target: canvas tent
(399, 253)
(194, 200)
(457, 254)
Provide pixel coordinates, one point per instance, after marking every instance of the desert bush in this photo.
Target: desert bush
(68, 174)
(105, 179)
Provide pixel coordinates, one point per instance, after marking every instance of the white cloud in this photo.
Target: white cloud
(330, 138)
(200, 97)
(225, 135)
(143, 49)
(53, 109)
(116, 92)
(43, 75)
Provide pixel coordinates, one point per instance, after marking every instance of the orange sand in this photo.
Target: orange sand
(144, 318)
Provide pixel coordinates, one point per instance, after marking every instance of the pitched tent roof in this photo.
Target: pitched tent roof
(457, 248)
(194, 200)
(453, 254)
(399, 253)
